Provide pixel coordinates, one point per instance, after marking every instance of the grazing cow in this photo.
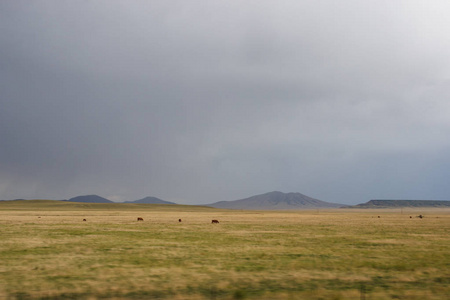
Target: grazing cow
(84, 220)
(420, 216)
(179, 220)
(140, 219)
(215, 221)
(378, 216)
(410, 217)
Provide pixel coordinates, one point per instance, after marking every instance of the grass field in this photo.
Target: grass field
(48, 252)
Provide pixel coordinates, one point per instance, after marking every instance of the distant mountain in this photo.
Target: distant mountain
(14, 200)
(275, 201)
(150, 200)
(90, 199)
(402, 203)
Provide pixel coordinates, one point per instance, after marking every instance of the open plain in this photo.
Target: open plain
(47, 251)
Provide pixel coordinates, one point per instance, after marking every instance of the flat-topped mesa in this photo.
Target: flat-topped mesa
(378, 203)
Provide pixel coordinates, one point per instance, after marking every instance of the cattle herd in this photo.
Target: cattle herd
(217, 221)
(179, 220)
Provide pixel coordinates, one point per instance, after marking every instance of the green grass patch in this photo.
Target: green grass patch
(50, 253)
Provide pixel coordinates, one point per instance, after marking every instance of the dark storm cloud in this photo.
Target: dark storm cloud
(210, 100)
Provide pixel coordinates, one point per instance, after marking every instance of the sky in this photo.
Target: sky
(203, 101)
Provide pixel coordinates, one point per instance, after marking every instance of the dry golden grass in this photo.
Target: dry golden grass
(48, 252)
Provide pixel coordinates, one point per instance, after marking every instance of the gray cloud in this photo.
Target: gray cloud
(207, 101)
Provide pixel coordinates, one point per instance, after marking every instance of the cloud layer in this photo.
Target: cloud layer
(219, 100)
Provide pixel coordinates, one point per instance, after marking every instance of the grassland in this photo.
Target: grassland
(48, 252)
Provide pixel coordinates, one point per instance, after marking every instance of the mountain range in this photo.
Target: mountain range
(277, 201)
(268, 201)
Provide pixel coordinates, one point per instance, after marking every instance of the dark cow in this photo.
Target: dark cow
(179, 220)
(140, 219)
(215, 221)
(378, 216)
(420, 216)
(84, 220)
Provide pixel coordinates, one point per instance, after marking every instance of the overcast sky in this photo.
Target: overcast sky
(202, 101)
